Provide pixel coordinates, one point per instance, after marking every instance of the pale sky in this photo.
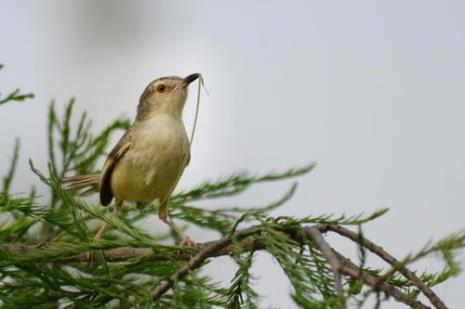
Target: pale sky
(371, 90)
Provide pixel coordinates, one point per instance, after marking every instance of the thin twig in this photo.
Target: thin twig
(379, 251)
(314, 233)
(350, 269)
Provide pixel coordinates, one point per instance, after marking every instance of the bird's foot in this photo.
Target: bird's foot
(186, 241)
(90, 258)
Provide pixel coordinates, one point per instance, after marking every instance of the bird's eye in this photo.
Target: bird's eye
(161, 88)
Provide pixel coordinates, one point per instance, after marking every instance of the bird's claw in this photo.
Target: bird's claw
(90, 258)
(186, 241)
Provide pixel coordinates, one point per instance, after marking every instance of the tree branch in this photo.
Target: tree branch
(350, 269)
(246, 240)
(314, 233)
(383, 254)
(195, 262)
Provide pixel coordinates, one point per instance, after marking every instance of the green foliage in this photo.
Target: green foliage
(241, 293)
(15, 95)
(80, 151)
(42, 274)
(8, 178)
(76, 151)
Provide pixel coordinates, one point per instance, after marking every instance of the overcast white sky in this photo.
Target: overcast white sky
(371, 90)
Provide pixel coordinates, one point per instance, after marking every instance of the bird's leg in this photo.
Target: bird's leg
(104, 227)
(163, 215)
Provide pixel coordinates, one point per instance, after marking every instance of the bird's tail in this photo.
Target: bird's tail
(82, 184)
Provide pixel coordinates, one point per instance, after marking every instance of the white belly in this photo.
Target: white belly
(154, 163)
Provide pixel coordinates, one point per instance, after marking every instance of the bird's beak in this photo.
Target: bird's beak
(189, 79)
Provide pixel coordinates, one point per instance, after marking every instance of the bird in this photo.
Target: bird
(147, 162)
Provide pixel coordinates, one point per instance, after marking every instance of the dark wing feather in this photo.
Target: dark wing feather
(106, 194)
(188, 158)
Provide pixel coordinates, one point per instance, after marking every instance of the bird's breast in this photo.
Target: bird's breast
(153, 164)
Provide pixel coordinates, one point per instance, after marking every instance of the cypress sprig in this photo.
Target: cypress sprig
(15, 95)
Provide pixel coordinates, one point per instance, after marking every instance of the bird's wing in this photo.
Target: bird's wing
(106, 194)
(188, 160)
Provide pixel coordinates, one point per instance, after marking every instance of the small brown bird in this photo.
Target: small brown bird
(149, 159)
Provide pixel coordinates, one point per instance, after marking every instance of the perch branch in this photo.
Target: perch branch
(197, 260)
(246, 241)
(193, 263)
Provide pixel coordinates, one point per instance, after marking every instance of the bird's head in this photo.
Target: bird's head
(164, 95)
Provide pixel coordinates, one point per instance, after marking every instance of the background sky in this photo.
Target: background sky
(373, 91)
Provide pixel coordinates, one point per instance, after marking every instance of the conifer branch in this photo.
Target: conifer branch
(350, 269)
(195, 262)
(379, 251)
(248, 240)
(332, 259)
(15, 95)
(7, 179)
